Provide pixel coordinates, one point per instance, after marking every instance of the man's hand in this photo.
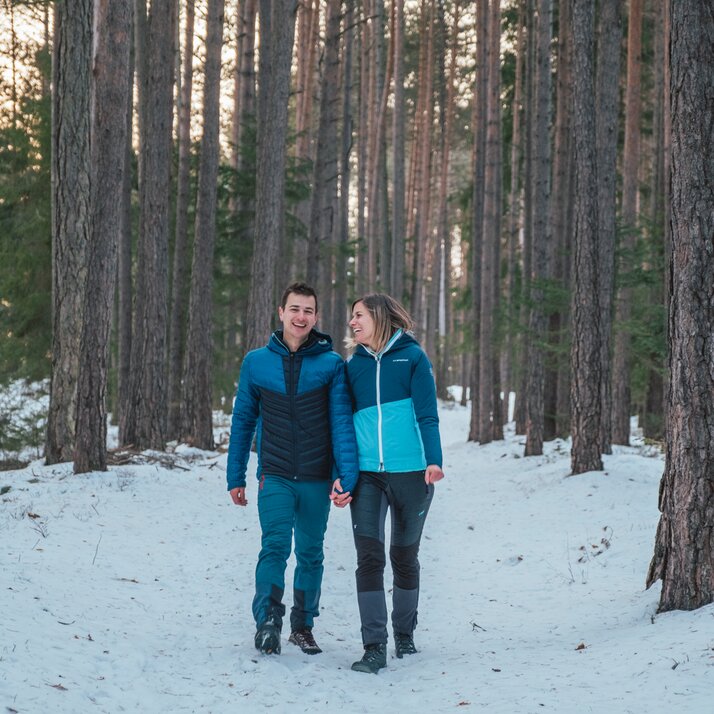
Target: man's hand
(339, 497)
(238, 496)
(433, 473)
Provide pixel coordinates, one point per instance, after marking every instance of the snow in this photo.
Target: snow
(131, 591)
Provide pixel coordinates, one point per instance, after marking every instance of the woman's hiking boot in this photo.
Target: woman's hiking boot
(404, 644)
(267, 638)
(304, 640)
(373, 659)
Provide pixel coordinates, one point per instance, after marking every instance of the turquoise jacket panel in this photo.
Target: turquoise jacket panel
(395, 409)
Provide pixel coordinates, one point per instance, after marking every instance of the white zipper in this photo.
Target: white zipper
(378, 357)
(379, 415)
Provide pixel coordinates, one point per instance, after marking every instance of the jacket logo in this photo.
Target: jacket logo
(400, 360)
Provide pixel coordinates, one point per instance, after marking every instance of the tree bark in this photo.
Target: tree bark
(71, 215)
(477, 200)
(621, 390)
(341, 305)
(277, 22)
(607, 90)
(144, 424)
(684, 547)
(514, 213)
(196, 401)
(541, 232)
(361, 263)
(586, 351)
(441, 280)
(398, 160)
(124, 289)
(529, 118)
(308, 42)
(422, 147)
(491, 213)
(180, 261)
(242, 208)
(112, 83)
(324, 183)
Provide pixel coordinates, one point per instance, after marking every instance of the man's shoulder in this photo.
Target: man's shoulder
(255, 354)
(254, 359)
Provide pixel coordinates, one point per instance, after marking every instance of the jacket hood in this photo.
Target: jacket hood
(315, 343)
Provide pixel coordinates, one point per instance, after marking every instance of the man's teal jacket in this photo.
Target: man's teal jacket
(298, 404)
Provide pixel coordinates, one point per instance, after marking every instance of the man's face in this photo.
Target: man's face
(298, 317)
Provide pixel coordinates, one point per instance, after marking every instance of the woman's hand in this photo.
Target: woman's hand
(433, 473)
(339, 497)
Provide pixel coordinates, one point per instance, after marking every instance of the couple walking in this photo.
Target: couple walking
(363, 432)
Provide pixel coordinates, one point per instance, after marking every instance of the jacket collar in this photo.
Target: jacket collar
(315, 343)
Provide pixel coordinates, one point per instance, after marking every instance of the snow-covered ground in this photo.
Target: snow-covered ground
(130, 591)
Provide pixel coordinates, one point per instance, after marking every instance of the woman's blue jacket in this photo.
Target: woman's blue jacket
(395, 412)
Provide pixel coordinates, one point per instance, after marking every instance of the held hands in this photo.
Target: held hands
(238, 496)
(339, 497)
(433, 474)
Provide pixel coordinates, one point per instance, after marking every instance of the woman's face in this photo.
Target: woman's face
(362, 324)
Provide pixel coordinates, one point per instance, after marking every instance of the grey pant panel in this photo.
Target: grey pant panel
(404, 610)
(373, 614)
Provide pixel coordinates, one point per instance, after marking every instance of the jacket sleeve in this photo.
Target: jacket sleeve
(342, 430)
(246, 409)
(424, 400)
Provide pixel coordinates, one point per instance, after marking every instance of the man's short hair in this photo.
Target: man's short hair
(300, 289)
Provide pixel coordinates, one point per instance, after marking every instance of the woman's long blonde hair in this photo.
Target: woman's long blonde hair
(389, 315)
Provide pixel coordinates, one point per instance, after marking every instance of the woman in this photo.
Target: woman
(397, 429)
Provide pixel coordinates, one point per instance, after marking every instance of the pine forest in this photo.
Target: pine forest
(533, 179)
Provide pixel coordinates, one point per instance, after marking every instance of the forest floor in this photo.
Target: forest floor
(131, 591)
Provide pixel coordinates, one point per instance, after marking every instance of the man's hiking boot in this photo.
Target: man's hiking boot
(373, 659)
(304, 640)
(404, 644)
(267, 638)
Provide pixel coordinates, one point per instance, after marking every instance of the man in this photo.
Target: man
(293, 391)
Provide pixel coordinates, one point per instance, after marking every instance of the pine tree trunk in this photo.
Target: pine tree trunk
(71, 215)
(124, 290)
(608, 76)
(113, 19)
(196, 400)
(180, 261)
(557, 385)
(277, 23)
(441, 280)
(243, 207)
(479, 163)
(324, 183)
(308, 41)
(341, 306)
(529, 118)
(361, 268)
(684, 556)
(621, 360)
(398, 147)
(586, 350)
(491, 212)
(514, 213)
(541, 232)
(144, 423)
(652, 418)
(422, 147)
